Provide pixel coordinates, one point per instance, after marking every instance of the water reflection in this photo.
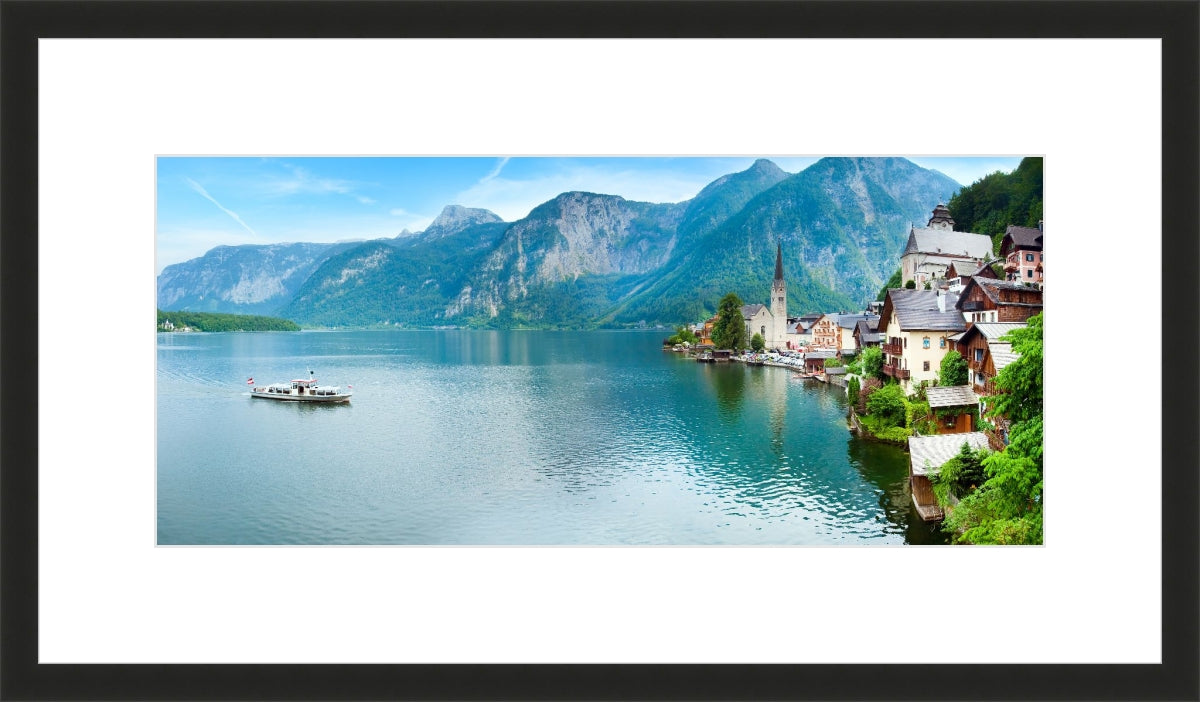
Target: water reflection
(729, 383)
(885, 468)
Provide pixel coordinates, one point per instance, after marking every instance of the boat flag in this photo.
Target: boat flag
(250, 381)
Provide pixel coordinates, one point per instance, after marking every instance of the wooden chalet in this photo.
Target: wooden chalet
(866, 333)
(952, 405)
(986, 354)
(927, 455)
(814, 361)
(1022, 252)
(990, 300)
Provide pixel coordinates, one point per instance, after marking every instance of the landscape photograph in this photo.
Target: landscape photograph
(759, 350)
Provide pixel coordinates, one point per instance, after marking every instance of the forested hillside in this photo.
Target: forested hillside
(995, 201)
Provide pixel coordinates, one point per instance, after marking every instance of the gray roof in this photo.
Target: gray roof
(918, 310)
(994, 330)
(948, 243)
(956, 337)
(928, 454)
(838, 370)
(819, 354)
(951, 396)
(749, 311)
(1023, 237)
(849, 321)
(1002, 355)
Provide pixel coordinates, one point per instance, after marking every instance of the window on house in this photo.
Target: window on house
(979, 355)
(925, 342)
(926, 365)
(942, 343)
(1028, 257)
(1028, 272)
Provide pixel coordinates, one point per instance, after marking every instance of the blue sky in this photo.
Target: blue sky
(205, 202)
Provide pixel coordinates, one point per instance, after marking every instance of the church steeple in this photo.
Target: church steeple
(778, 334)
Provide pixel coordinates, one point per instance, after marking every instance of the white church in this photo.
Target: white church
(771, 321)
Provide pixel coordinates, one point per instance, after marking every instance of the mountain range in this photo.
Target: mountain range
(584, 260)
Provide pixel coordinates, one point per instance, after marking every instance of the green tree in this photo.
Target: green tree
(729, 331)
(1007, 508)
(997, 200)
(961, 474)
(757, 342)
(872, 362)
(953, 370)
(893, 282)
(888, 405)
(911, 285)
(852, 388)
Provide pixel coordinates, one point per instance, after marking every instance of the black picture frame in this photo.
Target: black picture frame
(22, 23)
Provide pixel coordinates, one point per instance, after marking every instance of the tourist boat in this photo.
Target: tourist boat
(301, 391)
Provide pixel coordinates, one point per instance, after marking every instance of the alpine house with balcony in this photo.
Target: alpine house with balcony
(916, 327)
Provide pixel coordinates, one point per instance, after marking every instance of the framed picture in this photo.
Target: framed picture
(99, 604)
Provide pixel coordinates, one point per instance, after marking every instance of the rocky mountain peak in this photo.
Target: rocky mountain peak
(455, 218)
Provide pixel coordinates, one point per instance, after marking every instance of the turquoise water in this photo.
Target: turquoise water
(507, 437)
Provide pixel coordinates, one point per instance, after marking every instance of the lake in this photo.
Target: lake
(458, 437)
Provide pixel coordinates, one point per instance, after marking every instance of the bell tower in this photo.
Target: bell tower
(778, 304)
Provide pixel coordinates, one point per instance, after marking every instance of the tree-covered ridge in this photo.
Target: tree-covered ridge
(995, 201)
(222, 322)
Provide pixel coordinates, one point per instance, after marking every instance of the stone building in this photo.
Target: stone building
(931, 250)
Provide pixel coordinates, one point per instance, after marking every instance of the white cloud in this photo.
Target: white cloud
(200, 189)
(495, 171)
(301, 181)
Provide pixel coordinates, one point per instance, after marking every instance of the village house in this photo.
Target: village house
(847, 324)
(990, 300)
(954, 408)
(826, 334)
(866, 333)
(1021, 249)
(917, 326)
(814, 361)
(799, 331)
(986, 355)
(932, 249)
(957, 276)
(927, 455)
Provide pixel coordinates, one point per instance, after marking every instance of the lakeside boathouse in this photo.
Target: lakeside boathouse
(927, 454)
